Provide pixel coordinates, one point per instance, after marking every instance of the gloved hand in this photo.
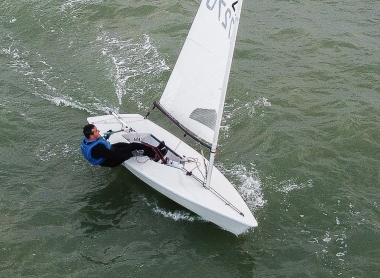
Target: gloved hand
(108, 134)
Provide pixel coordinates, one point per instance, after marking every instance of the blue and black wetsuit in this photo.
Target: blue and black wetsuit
(101, 152)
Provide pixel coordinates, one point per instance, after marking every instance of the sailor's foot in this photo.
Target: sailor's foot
(161, 145)
(163, 152)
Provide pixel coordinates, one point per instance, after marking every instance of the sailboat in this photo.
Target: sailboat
(193, 99)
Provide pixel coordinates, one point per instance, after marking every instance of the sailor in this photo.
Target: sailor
(98, 151)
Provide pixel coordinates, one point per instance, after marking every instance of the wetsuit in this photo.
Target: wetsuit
(119, 152)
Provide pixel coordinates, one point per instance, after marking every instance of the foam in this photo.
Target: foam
(47, 151)
(18, 63)
(70, 102)
(72, 3)
(287, 186)
(257, 106)
(134, 65)
(177, 215)
(249, 186)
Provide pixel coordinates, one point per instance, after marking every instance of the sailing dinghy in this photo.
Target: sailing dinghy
(194, 100)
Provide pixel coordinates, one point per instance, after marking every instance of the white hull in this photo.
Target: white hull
(173, 182)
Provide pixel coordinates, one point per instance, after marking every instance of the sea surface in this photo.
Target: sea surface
(300, 141)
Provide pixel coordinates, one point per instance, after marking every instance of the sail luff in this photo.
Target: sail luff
(224, 93)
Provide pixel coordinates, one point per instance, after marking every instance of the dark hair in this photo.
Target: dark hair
(87, 130)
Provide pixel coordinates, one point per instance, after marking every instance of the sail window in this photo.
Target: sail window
(204, 116)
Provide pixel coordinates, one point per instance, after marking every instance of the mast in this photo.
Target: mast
(214, 143)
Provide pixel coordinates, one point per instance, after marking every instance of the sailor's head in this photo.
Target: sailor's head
(91, 132)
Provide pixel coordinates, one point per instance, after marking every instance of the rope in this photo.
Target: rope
(148, 113)
(157, 152)
(225, 200)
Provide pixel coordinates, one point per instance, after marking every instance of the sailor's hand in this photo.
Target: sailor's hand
(108, 134)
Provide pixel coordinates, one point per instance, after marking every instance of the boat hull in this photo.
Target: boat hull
(220, 204)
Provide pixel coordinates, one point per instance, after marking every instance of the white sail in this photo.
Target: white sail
(195, 93)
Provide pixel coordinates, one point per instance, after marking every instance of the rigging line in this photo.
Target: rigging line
(148, 113)
(217, 194)
(175, 149)
(197, 164)
(225, 200)
(189, 173)
(157, 152)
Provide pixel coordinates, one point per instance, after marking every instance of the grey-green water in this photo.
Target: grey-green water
(300, 141)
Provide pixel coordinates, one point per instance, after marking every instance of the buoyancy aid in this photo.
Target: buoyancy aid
(87, 146)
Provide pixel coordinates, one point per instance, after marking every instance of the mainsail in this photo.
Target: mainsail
(195, 93)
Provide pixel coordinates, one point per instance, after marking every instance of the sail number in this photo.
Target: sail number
(225, 14)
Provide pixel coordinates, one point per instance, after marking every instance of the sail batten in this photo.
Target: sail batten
(195, 93)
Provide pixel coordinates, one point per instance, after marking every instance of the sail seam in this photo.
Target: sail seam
(208, 50)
